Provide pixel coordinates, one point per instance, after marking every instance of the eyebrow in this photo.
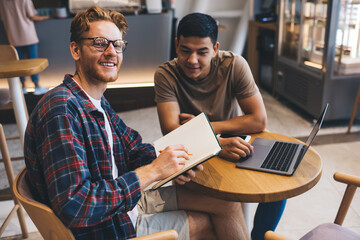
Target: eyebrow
(200, 49)
(105, 38)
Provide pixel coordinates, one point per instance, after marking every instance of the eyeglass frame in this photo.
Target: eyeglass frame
(109, 41)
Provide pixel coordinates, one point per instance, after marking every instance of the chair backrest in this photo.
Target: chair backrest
(353, 183)
(48, 224)
(8, 52)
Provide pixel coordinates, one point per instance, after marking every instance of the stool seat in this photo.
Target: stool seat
(24, 67)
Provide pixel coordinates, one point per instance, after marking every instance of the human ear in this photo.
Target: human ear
(75, 50)
(216, 48)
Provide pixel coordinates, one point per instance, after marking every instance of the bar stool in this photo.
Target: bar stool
(10, 175)
(12, 70)
(9, 53)
(356, 103)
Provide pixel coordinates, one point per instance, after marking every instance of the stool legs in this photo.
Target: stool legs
(18, 101)
(10, 175)
(356, 103)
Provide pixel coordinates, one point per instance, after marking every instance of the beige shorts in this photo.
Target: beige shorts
(158, 212)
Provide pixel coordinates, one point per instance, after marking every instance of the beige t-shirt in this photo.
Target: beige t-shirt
(15, 15)
(229, 79)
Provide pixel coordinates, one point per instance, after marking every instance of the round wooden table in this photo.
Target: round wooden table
(221, 179)
(12, 70)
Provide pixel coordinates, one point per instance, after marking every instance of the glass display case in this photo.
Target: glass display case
(318, 54)
(347, 55)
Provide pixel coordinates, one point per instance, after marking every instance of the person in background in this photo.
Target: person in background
(18, 17)
(92, 170)
(204, 79)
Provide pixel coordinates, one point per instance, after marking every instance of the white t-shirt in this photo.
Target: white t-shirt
(134, 213)
(97, 104)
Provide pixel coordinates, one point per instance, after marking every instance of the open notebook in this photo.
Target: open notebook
(198, 137)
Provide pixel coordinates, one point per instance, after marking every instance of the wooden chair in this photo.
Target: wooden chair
(356, 104)
(10, 175)
(331, 231)
(164, 235)
(49, 225)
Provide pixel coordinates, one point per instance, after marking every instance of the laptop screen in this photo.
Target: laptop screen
(317, 127)
(311, 137)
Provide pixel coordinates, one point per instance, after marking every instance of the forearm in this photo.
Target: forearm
(147, 175)
(166, 128)
(253, 120)
(171, 160)
(245, 124)
(38, 18)
(168, 116)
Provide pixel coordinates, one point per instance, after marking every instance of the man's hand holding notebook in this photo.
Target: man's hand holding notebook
(199, 139)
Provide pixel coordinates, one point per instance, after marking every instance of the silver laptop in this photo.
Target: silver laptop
(279, 157)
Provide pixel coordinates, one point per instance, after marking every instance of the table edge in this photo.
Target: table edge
(258, 197)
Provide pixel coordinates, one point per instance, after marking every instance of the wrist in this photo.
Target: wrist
(147, 175)
(216, 127)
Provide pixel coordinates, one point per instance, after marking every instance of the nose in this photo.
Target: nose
(110, 49)
(193, 58)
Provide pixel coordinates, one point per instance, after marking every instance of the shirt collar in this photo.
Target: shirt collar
(75, 88)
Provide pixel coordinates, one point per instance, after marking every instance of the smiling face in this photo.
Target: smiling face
(195, 55)
(92, 65)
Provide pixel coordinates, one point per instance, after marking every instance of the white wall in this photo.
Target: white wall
(183, 7)
(227, 13)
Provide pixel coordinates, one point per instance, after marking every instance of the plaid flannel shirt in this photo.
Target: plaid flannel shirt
(69, 164)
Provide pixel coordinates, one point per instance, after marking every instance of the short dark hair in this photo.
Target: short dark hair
(82, 20)
(198, 25)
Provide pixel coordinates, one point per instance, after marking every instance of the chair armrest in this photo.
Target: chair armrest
(353, 182)
(164, 235)
(270, 235)
(347, 179)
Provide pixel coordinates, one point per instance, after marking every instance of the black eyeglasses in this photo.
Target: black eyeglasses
(101, 44)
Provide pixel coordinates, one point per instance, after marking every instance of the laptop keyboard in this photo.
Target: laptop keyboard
(279, 156)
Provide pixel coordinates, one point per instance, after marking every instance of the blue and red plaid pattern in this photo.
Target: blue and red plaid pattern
(69, 165)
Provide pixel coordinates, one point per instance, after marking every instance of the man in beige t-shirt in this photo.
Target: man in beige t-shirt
(18, 17)
(204, 79)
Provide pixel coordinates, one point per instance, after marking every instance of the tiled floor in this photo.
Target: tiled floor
(302, 213)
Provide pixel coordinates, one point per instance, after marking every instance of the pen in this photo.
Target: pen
(163, 150)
